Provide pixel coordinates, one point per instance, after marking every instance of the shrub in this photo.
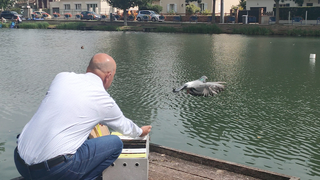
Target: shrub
(171, 12)
(148, 6)
(192, 9)
(206, 12)
(5, 25)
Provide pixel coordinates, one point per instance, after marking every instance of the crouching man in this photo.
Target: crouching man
(53, 144)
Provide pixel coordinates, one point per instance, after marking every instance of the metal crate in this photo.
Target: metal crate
(133, 162)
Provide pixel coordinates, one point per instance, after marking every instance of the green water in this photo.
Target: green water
(267, 118)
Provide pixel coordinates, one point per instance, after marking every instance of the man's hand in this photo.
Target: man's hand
(145, 130)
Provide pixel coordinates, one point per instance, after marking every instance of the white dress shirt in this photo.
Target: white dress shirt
(72, 107)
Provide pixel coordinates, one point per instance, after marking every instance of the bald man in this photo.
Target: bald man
(54, 145)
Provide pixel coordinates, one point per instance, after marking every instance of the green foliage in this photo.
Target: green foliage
(252, 30)
(191, 9)
(242, 4)
(124, 4)
(149, 6)
(106, 28)
(38, 25)
(6, 3)
(203, 28)
(206, 12)
(198, 1)
(303, 32)
(165, 29)
(156, 8)
(171, 12)
(5, 25)
(72, 25)
(16, 10)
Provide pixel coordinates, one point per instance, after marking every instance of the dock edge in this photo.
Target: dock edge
(221, 164)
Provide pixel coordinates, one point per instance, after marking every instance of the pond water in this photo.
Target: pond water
(267, 118)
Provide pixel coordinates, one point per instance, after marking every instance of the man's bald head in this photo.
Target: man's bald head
(101, 62)
(103, 66)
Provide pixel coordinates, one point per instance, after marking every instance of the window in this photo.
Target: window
(171, 8)
(67, 6)
(78, 6)
(92, 7)
(309, 4)
(203, 6)
(318, 1)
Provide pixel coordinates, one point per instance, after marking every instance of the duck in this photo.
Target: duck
(200, 87)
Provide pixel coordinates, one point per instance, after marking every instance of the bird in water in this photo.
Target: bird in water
(202, 88)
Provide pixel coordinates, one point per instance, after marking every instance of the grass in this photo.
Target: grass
(303, 32)
(37, 25)
(202, 28)
(252, 30)
(72, 26)
(165, 29)
(5, 25)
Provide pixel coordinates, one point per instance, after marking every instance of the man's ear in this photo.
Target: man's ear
(107, 76)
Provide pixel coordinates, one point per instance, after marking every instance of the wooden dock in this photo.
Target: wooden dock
(172, 164)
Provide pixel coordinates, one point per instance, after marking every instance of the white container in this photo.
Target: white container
(312, 56)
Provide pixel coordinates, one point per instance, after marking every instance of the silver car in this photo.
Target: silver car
(146, 15)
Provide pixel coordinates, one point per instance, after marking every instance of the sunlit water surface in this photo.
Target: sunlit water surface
(268, 117)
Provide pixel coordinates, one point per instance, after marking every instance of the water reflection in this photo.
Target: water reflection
(2, 148)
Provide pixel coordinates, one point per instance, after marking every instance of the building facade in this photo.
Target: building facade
(76, 6)
(269, 4)
(179, 6)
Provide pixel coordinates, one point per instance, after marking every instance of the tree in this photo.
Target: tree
(242, 4)
(149, 6)
(124, 5)
(5, 3)
(277, 11)
(213, 20)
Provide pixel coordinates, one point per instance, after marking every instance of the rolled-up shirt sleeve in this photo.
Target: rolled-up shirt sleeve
(115, 119)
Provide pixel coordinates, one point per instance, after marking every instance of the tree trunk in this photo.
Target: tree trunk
(213, 20)
(125, 14)
(277, 11)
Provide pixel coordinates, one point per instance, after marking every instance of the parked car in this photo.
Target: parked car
(10, 15)
(90, 15)
(42, 14)
(148, 15)
(17, 18)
